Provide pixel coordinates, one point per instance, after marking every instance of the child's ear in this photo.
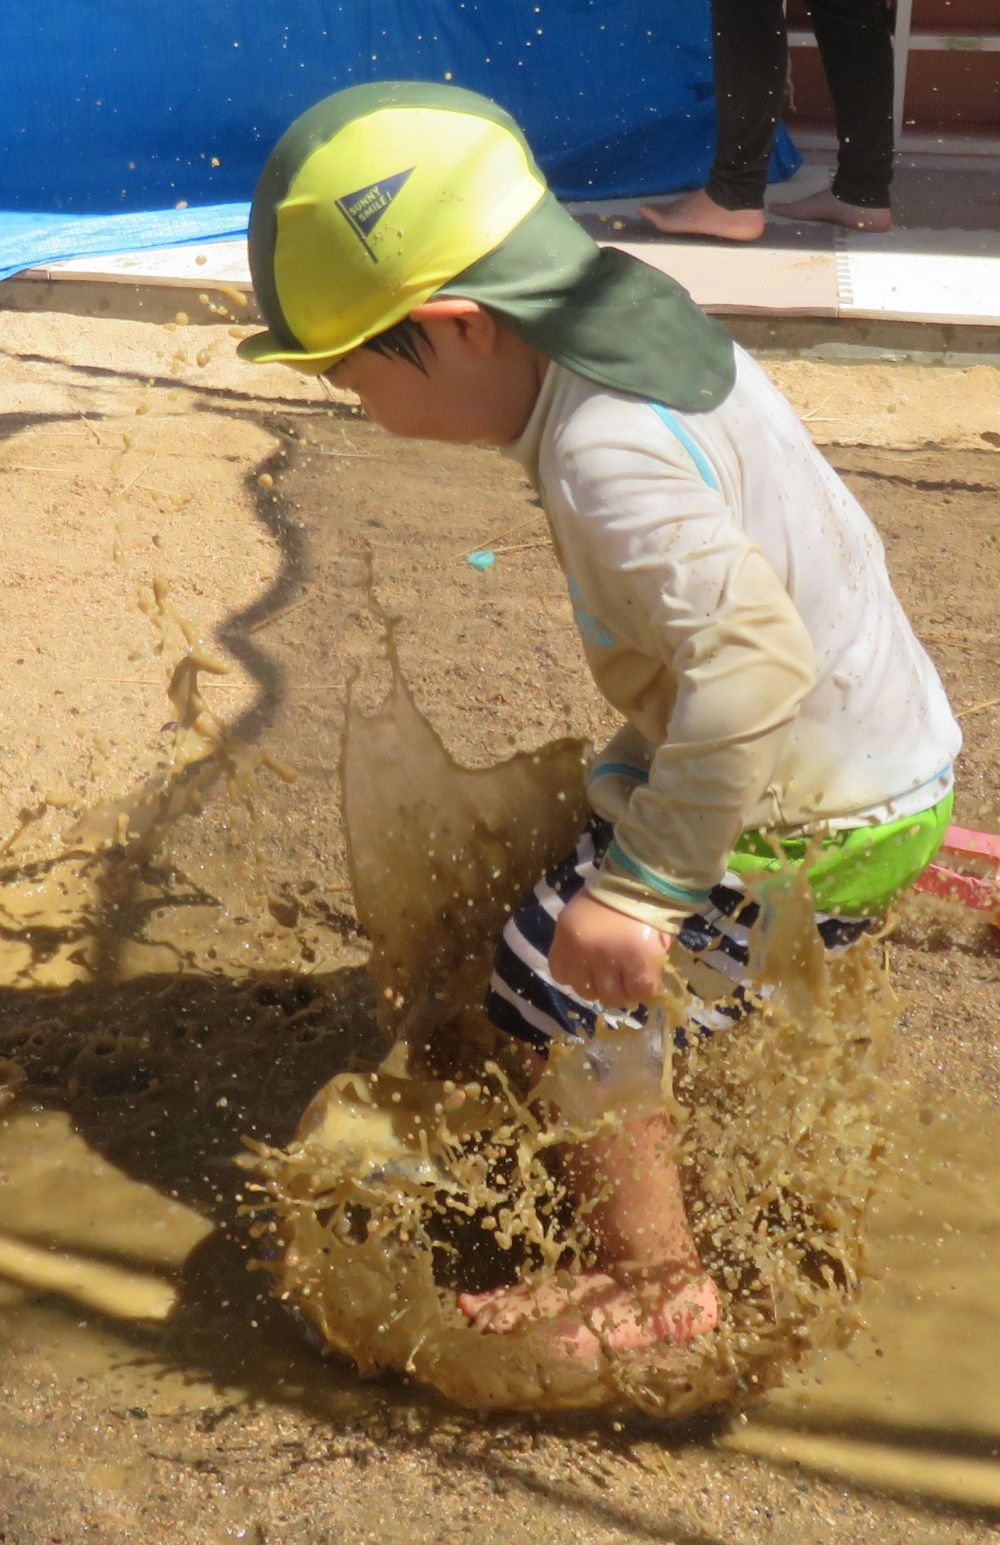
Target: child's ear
(477, 326)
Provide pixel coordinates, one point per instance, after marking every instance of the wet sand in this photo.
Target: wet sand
(216, 984)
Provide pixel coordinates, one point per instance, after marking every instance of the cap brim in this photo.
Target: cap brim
(265, 349)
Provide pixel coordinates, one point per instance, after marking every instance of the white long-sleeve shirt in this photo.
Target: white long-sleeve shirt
(735, 606)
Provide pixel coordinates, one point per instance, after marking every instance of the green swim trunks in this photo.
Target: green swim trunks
(854, 873)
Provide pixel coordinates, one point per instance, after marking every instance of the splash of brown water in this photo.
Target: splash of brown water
(402, 1187)
(439, 854)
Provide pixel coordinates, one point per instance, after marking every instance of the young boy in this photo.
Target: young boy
(732, 598)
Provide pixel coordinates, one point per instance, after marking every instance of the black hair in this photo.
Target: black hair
(405, 340)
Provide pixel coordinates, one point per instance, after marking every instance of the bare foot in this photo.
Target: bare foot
(695, 214)
(826, 206)
(595, 1311)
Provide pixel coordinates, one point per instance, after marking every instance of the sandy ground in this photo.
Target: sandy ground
(218, 983)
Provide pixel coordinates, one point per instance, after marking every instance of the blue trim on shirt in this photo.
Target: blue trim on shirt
(652, 879)
(591, 627)
(697, 456)
(613, 769)
(938, 777)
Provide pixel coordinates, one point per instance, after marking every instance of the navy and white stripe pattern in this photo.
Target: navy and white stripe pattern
(524, 1000)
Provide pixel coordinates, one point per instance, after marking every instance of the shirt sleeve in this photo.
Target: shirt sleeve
(708, 605)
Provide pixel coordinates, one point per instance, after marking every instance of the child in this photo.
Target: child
(731, 595)
(750, 70)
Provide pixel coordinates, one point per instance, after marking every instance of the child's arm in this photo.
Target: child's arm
(712, 635)
(743, 663)
(605, 956)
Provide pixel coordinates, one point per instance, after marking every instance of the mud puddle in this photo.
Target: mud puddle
(210, 1002)
(192, 1408)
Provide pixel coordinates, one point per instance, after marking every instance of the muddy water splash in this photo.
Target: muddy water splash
(439, 855)
(405, 1186)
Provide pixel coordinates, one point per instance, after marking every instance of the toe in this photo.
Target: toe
(691, 1314)
(471, 1304)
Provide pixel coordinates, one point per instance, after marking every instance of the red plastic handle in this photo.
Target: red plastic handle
(982, 894)
(970, 844)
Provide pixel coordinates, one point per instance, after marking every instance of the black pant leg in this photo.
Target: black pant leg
(855, 44)
(750, 46)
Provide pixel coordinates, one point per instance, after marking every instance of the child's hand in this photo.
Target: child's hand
(605, 956)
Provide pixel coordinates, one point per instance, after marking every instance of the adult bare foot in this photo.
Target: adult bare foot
(594, 1311)
(826, 206)
(695, 214)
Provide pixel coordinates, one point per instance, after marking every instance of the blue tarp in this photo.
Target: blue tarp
(128, 109)
(28, 240)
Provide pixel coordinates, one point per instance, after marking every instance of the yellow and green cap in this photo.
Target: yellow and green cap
(371, 202)
(383, 195)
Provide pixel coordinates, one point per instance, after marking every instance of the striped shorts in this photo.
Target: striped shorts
(524, 1000)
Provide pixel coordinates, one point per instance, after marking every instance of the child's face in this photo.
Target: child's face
(474, 388)
(398, 395)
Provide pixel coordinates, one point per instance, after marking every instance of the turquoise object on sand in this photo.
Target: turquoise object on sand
(482, 558)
